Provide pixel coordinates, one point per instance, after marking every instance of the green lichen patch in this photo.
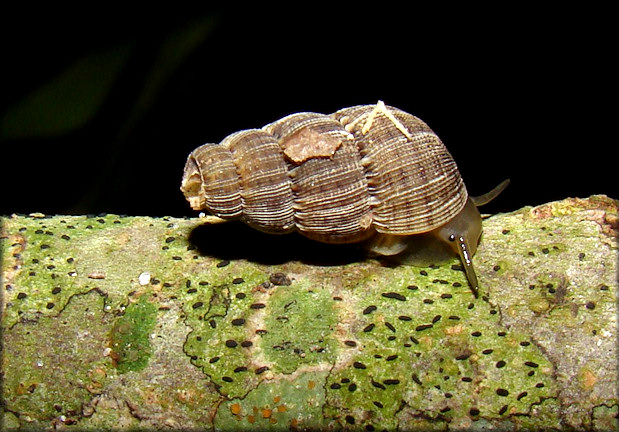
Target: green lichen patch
(39, 274)
(554, 297)
(606, 417)
(169, 391)
(47, 260)
(544, 416)
(290, 403)
(250, 329)
(435, 348)
(55, 365)
(299, 328)
(129, 338)
(223, 339)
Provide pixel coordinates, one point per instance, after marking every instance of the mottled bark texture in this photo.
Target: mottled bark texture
(138, 322)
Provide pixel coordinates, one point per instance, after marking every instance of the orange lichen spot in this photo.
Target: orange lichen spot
(22, 388)
(267, 413)
(94, 387)
(235, 409)
(454, 330)
(426, 341)
(513, 410)
(276, 399)
(97, 374)
(588, 379)
(273, 420)
(281, 408)
(251, 419)
(311, 384)
(294, 423)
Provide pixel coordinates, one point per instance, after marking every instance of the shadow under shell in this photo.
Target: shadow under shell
(235, 240)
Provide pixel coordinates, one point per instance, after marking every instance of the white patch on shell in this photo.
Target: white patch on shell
(382, 109)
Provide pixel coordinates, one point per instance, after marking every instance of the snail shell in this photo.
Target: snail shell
(335, 179)
(368, 172)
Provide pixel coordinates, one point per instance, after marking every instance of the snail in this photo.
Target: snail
(369, 173)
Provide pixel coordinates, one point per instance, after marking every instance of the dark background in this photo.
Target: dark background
(100, 108)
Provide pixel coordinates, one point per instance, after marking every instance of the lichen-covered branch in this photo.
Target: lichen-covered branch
(137, 322)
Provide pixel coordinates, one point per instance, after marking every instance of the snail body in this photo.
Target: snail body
(368, 173)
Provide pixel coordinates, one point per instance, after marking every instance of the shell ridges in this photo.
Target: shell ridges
(335, 178)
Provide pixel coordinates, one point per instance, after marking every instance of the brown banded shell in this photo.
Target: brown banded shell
(412, 179)
(365, 172)
(335, 178)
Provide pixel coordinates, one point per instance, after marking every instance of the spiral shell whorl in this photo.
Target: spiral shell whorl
(264, 185)
(413, 180)
(335, 179)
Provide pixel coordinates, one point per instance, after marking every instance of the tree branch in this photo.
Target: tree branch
(117, 322)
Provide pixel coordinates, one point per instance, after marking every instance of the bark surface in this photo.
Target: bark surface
(137, 322)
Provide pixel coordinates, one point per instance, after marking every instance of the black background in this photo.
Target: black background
(513, 93)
